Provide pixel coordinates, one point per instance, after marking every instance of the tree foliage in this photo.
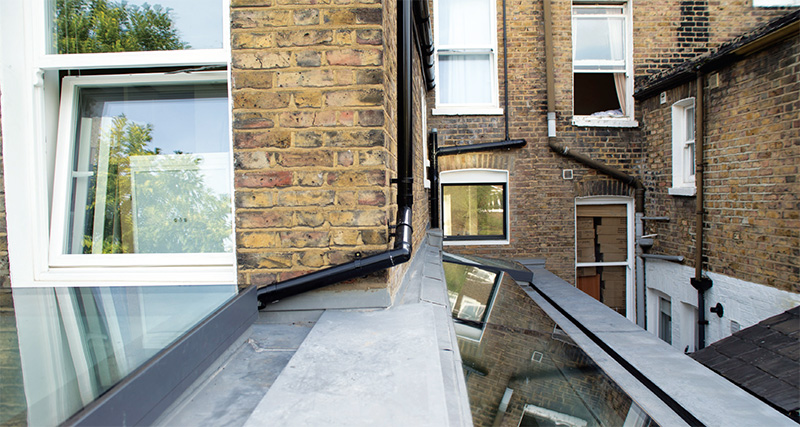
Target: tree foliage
(92, 26)
(165, 208)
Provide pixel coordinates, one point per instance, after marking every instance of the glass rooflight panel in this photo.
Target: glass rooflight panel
(470, 290)
(97, 26)
(464, 23)
(599, 39)
(151, 171)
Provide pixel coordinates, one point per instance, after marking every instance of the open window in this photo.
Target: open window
(602, 66)
(683, 140)
(475, 207)
(119, 142)
(142, 171)
(466, 57)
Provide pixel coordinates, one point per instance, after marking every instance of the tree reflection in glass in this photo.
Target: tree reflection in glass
(130, 197)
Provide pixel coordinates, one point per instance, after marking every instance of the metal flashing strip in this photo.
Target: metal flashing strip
(141, 397)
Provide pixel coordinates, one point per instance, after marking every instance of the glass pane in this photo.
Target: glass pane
(73, 344)
(474, 210)
(665, 320)
(689, 163)
(91, 26)
(465, 79)
(599, 39)
(151, 171)
(689, 123)
(521, 348)
(470, 291)
(464, 22)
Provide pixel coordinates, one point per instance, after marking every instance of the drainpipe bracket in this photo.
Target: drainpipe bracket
(703, 284)
(406, 180)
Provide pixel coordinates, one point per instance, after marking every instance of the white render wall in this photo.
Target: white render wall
(745, 303)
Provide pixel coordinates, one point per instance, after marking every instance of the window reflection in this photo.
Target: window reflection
(76, 343)
(99, 26)
(525, 370)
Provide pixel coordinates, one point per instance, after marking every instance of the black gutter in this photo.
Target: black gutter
(481, 146)
(422, 27)
(403, 232)
(774, 31)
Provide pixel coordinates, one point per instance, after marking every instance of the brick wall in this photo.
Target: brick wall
(314, 119)
(752, 203)
(667, 33)
(542, 203)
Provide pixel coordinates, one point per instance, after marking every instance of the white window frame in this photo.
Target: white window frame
(478, 176)
(683, 181)
(628, 120)
(426, 161)
(30, 88)
(492, 108)
(776, 3)
(630, 290)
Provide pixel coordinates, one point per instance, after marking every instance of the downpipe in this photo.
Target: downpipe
(403, 231)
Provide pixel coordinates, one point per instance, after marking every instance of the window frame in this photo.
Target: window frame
(629, 263)
(683, 183)
(776, 3)
(31, 83)
(491, 108)
(478, 177)
(627, 120)
(665, 325)
(65, 147)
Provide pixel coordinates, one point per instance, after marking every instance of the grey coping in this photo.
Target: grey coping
(706, 395)
(386, 366)
(398, 366)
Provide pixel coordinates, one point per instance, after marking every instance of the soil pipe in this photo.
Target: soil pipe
(702, 284)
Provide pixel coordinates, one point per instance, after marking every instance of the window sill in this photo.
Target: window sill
(475, 242)
(467, 111)
(682, 191)
(609, 122)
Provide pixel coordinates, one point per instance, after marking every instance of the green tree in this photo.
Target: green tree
(92, 26)
(165, 208)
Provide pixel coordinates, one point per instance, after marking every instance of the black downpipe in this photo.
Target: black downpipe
(403, 232)
(505, 69)
(433, 145)
(487, 146)
(405, 196)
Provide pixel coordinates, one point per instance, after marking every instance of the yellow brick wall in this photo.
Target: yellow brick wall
(314, 119)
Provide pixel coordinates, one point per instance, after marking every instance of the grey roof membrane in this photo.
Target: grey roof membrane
(763, 359)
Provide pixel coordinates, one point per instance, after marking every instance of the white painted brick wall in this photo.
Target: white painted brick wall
(746, 303)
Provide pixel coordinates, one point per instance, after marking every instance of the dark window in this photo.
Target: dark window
(474, 211)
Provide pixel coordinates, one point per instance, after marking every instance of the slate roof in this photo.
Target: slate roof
(763, 359)
(724, 55)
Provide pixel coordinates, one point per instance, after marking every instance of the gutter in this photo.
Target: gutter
(755, 41)
(403, 233)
